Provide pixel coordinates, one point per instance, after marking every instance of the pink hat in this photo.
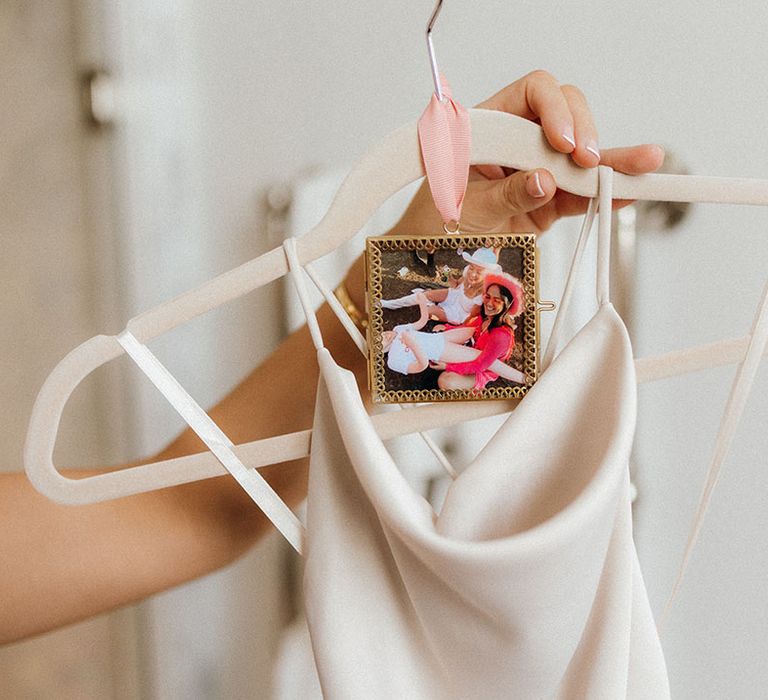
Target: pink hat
(512, 285)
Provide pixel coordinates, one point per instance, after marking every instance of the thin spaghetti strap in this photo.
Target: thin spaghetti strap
(554, 337)
(294, 267)
(605, 182)
(740, 389)
(214, 438)
(338, 309)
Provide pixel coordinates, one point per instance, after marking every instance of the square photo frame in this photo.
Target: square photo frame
(452, 318)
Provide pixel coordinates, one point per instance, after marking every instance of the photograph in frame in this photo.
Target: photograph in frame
(451, 318)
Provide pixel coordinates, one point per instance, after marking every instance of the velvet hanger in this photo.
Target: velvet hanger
(498, 138)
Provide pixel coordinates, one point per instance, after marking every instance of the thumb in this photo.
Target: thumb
(518, 193)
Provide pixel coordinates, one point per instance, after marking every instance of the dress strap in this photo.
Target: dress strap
(296, 271)
(557, 327)
(217, 442)
(338, 309)
(605, 191)
(734, 408)
(605, 185)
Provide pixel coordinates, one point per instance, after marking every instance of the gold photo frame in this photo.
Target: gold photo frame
(420, 347)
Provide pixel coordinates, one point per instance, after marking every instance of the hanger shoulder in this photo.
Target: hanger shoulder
(749, 350)
(283, 448)
(395, 162)
(691, 188)
(221, 289)
(514, 142)
(678, 362)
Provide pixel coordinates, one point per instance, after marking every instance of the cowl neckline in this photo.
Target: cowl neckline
(581, 411)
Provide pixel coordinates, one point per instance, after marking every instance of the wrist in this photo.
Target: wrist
(359, 318)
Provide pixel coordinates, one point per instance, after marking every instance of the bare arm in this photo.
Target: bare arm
(424, 309)
(420, 363)
(65, 563)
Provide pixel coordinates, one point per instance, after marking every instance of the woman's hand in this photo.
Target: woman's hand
(530, 201)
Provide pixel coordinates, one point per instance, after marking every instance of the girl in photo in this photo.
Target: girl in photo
(457, 303)
(411, 351)
(493, 335)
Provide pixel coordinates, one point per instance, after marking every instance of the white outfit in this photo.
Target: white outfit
(456, 305)
(400, 356)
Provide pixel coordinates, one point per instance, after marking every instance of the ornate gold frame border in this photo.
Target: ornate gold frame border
(374, 291)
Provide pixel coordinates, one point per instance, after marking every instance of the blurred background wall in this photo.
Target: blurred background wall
(214, 105)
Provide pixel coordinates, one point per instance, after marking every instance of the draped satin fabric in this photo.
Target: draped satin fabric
(525, 585)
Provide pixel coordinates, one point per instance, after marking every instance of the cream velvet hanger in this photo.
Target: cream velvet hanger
(497, 138)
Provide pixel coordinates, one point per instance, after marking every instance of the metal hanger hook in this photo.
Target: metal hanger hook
(431, 50)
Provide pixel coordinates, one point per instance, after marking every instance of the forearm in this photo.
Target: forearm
(62, 563)
(65, 563)
(478, 365)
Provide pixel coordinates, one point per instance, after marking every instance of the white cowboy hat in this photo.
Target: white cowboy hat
(483, 257)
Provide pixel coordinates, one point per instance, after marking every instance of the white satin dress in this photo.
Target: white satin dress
(525, 585)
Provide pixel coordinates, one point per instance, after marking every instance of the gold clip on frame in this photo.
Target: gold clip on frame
(452, 318)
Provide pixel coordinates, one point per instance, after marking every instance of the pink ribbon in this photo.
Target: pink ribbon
(445, 138)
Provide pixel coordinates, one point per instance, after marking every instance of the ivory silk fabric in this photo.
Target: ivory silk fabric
(527, 583)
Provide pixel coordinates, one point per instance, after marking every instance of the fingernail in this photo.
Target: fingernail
(593, 149)
(569, 137)
(533, 186)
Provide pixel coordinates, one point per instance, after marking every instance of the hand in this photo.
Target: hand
(530, 201)
(438, 328)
